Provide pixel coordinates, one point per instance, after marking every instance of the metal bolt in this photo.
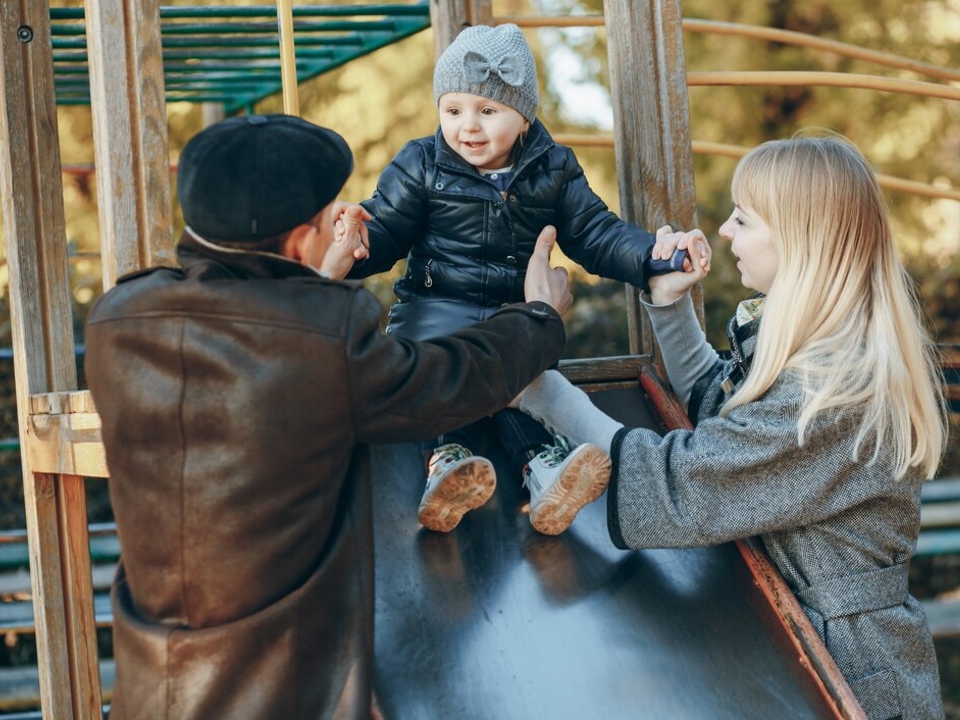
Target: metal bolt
(25, 34)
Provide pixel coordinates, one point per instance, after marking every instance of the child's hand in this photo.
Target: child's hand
(348, 244)
(340, 228)
(665, 289)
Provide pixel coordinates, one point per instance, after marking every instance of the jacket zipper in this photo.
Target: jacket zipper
(428, 281)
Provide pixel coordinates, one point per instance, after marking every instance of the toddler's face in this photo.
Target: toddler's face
(751, 240)
(480, 130)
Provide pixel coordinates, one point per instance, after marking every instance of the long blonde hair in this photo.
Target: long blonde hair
(841, 309)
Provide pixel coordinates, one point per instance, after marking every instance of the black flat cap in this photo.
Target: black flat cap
(252, 177)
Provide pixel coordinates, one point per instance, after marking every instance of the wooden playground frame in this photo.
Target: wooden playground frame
(59, 428)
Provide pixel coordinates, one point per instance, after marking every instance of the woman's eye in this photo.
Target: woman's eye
(738, 221)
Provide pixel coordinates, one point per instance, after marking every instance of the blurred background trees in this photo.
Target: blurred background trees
(383, 100)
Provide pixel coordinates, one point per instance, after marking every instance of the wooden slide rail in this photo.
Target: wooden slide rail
(806, 642)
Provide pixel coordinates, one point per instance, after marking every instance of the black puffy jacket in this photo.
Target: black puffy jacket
(468, 244)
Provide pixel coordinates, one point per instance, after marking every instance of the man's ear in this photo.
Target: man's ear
(295, 246)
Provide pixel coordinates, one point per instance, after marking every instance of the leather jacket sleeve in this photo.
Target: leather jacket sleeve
(403, 390)
(399, 209)
(595, 237)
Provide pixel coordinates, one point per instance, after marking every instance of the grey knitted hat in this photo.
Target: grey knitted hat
(492, 62)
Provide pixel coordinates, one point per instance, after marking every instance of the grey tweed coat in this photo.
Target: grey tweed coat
(841, 531)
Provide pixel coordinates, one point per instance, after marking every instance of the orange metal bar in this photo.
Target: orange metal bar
(288, 61)
(789, 37)
(848, 80)
(700, 147)
(786, 37)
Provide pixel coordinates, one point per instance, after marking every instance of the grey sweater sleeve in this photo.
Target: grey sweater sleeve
(566, 410)
(686, 353)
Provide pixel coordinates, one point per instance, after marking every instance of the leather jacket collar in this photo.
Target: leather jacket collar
(535, 144)
(195, 253)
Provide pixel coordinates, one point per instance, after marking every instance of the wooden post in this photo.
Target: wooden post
(449, 17)
(44, 358)
(651, 127)
(130, 135)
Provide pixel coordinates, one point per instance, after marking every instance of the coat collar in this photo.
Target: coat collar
(194, 251)
(743, 343)
(535, 144)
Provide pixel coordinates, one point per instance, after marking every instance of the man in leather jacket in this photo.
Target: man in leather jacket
(238, 394)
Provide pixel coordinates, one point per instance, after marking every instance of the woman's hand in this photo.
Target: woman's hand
(665, 289)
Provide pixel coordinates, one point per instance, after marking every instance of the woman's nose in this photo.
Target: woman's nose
(726, 230)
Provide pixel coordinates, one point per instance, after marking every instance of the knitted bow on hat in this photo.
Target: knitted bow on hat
(477, 68)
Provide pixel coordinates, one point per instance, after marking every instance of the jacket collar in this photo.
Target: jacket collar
(743, 343)
(194, 251)
(535, 144)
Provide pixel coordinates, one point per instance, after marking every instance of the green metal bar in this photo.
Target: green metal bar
(244, 42)
(179, 85)
(238, 71)
(253, 54)
(171, 79)
(249, 28)
(940, 490)
(179, 98)
(102, 550)
(372, 42)
(304, 63)
(421, 9)
(938, 542)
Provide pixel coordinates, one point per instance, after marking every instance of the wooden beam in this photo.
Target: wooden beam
(130, 135)
(44, 360)
(603, 370)
(64, 435)
(651, 127)
(449, 17)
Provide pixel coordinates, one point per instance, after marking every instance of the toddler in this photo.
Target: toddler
(465, 207)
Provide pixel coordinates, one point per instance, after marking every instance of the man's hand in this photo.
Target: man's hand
(347, 246)
(341, 228)
(543, 283)
(665, 289)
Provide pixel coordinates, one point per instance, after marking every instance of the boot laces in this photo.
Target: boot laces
(556, 453)
(449, 453)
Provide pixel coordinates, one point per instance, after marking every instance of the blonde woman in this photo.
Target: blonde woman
(815, 436)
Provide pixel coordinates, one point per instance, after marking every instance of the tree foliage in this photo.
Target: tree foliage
(381, 101)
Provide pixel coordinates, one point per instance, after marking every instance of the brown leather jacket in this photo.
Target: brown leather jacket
(238, 396)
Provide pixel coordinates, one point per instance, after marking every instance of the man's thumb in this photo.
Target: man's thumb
(353, 215)
(544, 246)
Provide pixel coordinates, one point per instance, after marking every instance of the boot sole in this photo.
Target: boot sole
(466, 488)
(582, 482)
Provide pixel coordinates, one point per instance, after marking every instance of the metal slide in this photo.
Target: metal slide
(496, 622)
